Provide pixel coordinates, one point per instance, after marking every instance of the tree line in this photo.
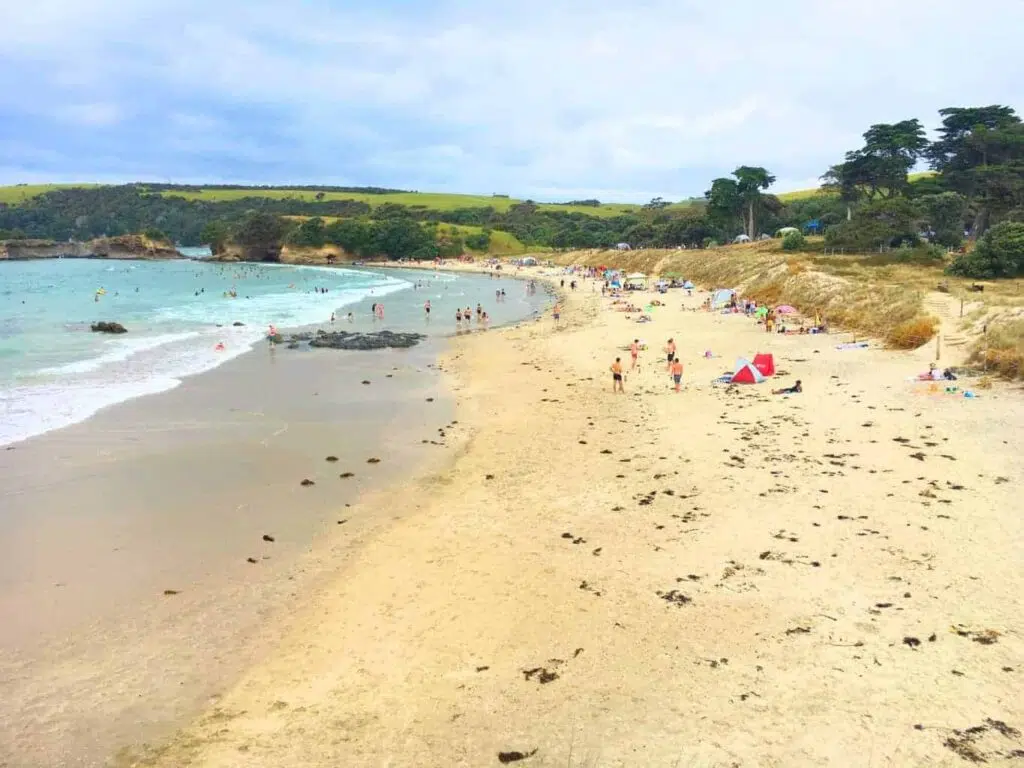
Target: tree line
(869, 201)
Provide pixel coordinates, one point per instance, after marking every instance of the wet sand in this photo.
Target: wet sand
(136, 580)
(720, 577)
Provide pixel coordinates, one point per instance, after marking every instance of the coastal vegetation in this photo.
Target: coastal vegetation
(871, 202)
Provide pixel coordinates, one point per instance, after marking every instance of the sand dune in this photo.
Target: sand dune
(719, 577)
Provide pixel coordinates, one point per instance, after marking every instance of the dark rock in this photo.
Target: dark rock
(251, 560)
(514, 757)
(346, 475)
(373, 460)
(366, 341)
(267, 537)
(105, 327)
(331, 458)
(293, 345)
(306, 482)
(170, 591)
(238, 324)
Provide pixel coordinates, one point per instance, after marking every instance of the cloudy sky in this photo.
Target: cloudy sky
(549, 99)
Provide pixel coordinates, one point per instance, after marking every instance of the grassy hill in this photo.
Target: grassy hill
(19, 193)
(13, 195)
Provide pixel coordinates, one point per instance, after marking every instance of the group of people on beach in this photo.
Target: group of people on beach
(673, 366)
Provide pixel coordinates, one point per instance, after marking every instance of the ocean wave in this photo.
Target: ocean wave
(123, 349)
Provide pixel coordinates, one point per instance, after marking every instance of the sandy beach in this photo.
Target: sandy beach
(155, 551)
(719, 577)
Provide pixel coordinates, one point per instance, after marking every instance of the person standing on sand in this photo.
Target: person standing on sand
(634, 352)
(557, 312)
(670, 351)
(616, 369)
(677, 372)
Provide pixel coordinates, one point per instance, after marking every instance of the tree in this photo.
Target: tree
(980, 154)
(725, 204)
(260, 234)
(880, 167)
(883, 222)
(892, 150)
(1000, 253)
(215, 234)
(750, 180)
(945, 213)
(399, 238)
(309, 234)
(479, 241)
(353, 237)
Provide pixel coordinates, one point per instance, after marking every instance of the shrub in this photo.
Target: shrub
(1001, 350)
(480, 241)
(912, 333)
(156, 235)
(1000, 253)
(794, 241)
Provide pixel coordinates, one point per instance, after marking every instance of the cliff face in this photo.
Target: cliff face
(120, 247)
(289, 254)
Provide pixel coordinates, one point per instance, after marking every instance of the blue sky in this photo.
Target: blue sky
(550, 100)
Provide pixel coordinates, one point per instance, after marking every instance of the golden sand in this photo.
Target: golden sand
(719, 577)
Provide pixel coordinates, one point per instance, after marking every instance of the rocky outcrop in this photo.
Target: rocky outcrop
(351, 341)
(289, 254)
(107, 327)
(120, 247)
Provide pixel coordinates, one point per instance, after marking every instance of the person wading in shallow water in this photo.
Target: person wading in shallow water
(616, 369)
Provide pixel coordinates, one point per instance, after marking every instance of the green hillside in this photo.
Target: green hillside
(439, 201)
(19, 193)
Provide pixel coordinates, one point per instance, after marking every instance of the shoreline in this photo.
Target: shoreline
(162, 384)
(715, 577)
(131, 542)
(134, 586)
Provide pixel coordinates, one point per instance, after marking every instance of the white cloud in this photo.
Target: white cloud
(536, 98)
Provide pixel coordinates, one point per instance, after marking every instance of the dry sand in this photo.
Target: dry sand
(720, 577)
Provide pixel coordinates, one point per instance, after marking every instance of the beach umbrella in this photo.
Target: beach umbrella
(761, 311)
(785, 309)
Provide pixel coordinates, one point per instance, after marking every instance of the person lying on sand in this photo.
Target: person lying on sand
(795, 389)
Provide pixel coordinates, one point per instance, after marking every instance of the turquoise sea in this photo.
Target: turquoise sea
(181, 318)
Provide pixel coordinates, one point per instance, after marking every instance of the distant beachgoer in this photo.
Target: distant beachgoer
(557, 312)
(634, 351)
(332, 317)
(616, 369)
(426, 307)
(795, 389)
(373, 309)
(380, 311)
(271, 331)
(677, 372)
(479, 310)
(670, 351)
(458, 317)
(351, 317)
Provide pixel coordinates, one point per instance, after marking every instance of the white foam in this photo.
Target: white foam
(123, 349)
(152, 364)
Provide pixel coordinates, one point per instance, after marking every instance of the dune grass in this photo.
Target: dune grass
(1000, 350)
(878, 308)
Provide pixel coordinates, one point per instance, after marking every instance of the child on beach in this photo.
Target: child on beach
(677, 372)
(795, 389)
(616, 369)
